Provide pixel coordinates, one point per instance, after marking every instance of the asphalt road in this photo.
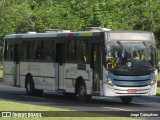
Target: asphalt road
(50, 99)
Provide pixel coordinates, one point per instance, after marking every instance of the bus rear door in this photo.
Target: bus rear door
(59, 65)
(16, 64)
(11, 64)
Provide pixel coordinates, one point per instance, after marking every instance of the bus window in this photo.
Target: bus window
(17, 52)
(79, 55)
(38, 54)
(81, 51)
(25, 50)
(48, 50)
(71, 50)
(77, 51)
(9, 50)
(85, 52)
(35, 50)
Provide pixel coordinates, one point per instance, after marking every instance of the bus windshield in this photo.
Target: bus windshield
(131, 57)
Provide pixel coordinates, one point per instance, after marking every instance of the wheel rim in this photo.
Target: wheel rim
(82, 90)
(28, 86)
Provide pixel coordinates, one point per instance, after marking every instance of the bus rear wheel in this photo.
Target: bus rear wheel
(82, 93)
(30, 90)
(126, 99)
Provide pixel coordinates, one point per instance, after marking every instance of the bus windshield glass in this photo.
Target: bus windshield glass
(127, 56)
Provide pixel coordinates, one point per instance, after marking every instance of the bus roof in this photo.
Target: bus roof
(53, 34)
(109, 35)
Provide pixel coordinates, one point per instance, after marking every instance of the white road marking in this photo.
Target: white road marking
(112, 98)
(34, 97)
(117, 109)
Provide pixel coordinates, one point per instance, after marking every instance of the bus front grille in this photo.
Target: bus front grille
(131, 83)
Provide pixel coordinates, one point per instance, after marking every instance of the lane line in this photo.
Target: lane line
(34, 97)
(117, 109)
(105, 97)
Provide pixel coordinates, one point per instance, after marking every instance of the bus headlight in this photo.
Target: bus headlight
(108, 81)
(154, 81)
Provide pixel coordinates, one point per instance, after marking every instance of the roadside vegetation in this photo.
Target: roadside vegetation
(12, 106)
(76, 15)
(158, 85)
(1, 71)
(1, 74)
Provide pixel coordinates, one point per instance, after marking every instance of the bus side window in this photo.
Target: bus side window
(35, 50)
(25, 50)
(17, 52)
(38, 47)
(81, 51)
(38, 54)
(77, 51)
(85, 52)
(93, 57)
(71, 50)
(9, 50)
(31, 50)
(48, 50)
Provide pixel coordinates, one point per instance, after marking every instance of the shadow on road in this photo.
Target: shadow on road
(58, 100)
(48, 99)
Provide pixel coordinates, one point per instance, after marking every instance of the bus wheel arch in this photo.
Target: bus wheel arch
(81, 90)
(78, 80)
(29, 84)
(30, 87)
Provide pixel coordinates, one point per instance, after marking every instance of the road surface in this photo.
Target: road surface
(50, 99)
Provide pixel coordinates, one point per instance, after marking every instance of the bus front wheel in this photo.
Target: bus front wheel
(126, 99)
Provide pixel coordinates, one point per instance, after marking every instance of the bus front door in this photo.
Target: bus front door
(59, 66)
(16, 66)
(96, 64)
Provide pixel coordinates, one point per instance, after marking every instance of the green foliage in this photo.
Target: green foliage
(36, 15)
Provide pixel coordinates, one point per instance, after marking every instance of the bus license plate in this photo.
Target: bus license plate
(132, 90)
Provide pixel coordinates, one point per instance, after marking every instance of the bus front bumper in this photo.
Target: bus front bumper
(109, 90)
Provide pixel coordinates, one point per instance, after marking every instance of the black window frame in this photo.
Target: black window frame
(53, 51)
(75, 60)
(6, 51)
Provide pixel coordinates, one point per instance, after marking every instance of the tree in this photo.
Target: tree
(36, 15)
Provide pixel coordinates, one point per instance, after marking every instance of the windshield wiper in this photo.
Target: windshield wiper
(121, 45)
(145, 44)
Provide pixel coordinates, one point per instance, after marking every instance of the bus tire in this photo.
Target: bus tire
(82, 92)
(126, 99)
(30, 89)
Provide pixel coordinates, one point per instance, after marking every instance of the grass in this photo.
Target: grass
(12, 106)
(158, 85)
(1, 71)
(158, 91)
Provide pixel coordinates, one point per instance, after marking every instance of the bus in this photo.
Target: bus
(96, 62)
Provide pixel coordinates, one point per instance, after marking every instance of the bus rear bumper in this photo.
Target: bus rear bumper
(129, 91)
